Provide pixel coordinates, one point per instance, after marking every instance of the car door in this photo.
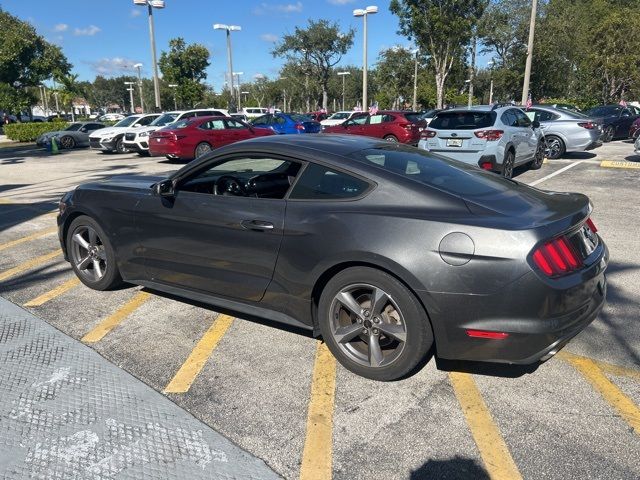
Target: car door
(237, 131)
(528, 134)
(223, 245)
(375, 126)
(214, 132)
(625, 120)
(512, 132)
(356, 124)
(278, 123)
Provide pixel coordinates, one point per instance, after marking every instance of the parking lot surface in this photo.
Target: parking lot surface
(277, 394)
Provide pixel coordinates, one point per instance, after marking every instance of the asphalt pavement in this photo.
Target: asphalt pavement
(273, 391)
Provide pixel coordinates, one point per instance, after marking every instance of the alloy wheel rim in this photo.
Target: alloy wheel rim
(553, 148)
(67, 142)
(202, 149)
(88, 253)
(367, 325)
(391, 139)
(508, 167)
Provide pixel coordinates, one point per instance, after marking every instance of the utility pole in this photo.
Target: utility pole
(472, 68)
(130, 89)
(415, 81)
(139, 66)
(527, 68)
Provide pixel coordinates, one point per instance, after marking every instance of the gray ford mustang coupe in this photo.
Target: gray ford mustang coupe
(386, 251)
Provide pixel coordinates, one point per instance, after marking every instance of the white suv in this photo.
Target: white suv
(111, 139)
(254, 112)
(138, 140)
(497, 138)
(338, 118)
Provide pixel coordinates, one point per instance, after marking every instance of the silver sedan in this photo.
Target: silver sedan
(566, 131)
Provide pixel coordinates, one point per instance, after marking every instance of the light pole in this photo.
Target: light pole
(236, 75)
(229, 29)
(364, 13)
(415, 80)
(343, 75)
(130, 90)
(55, 95)
(527, 68)
(139, 66)
(175, 103)
(151, 4)
(490, 64)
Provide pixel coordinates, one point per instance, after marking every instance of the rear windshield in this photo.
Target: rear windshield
(183, 123)
(340, 116)
(164, 119)
(465, 120)
(296, 117)
(447, 175)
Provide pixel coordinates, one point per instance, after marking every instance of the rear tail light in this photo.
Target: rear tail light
(408, 126)
(489, 135)
(556, 257)
(592, 225)
(487, 334)
(588, 125)
(428, 134)
(299, 126)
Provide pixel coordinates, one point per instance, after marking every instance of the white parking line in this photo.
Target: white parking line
(540, 180)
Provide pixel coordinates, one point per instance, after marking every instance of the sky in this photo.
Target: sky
(108, 37)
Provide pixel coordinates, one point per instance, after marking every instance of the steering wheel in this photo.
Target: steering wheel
(228, 185)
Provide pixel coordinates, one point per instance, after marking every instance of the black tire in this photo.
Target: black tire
(120, 148)
(402, 312)
(508, 164)
(102, 253)
(67, 142)
(538, 159)
(554, 147)
(608, 133)
(202, 149)
(391, 138)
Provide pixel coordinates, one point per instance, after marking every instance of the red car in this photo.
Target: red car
(634, 131)
(192, 137)
(318, 116)
(394, 126)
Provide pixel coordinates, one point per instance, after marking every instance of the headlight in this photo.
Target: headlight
(106, 139)
(143, 134)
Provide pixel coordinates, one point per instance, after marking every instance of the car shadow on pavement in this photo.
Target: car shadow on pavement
(579, 155)
(632, 158)
(12, 214)
(457, 468)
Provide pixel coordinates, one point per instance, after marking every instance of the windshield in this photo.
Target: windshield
(463, 120)
(164, 119)
(448, 175)
(73, 127)
(340, 116)
(125, 122)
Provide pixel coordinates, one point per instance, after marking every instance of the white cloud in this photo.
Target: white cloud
(278, 8)
(269, 37)
(135, 12)
(340, 2)
(61, 27)
(90, 31)
(113, 66)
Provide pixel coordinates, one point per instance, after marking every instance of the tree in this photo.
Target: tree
(394, 72)
(316, 50)
(442, 28)
(26, 60)
(185, 65)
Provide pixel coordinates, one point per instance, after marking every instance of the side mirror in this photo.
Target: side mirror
(535, 124)
(165, 188)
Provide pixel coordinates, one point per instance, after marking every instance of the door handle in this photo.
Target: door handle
(258, 225)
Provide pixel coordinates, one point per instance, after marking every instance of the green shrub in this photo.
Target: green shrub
(29, 132)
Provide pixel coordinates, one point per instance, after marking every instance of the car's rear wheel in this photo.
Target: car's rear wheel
(555, 147)
(67, 142)
(608, 133)
(202, 148)
(508, 164)
(120, 148)
(91, 254)
(373, 324)
(391, 138)
(538, 158)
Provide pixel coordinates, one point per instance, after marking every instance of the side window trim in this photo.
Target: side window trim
(371, 185)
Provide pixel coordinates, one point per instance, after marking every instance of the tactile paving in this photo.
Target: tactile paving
(67, 413)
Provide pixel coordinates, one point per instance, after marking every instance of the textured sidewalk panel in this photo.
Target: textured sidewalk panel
(66, 413)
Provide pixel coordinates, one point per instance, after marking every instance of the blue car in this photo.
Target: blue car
(287, 123)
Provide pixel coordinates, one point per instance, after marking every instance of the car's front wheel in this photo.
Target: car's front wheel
(391, 138)
(608, 134)
(373, 324)
(120, 148)
(538, 158)
(92, 257)
(508, 164)
(67, 142)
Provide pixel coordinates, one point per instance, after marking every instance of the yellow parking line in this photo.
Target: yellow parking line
(116, 318)
(316, 456)
(610, 368)
(34, 262)
(190, 369)
(51, 294)
(493, 450)
(28, 238)
(615, 397)
(614, 164)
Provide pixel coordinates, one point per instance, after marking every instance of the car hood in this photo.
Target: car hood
(126, 183)
(111, 131)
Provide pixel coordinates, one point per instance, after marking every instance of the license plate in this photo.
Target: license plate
(454, 142)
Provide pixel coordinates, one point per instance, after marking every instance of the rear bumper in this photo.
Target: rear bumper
(540, 316)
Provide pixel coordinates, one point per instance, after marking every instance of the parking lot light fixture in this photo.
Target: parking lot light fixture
(130, 89)
(175, 102)
(151, 4)
(343, 75)
(364, 13)
(229, 29)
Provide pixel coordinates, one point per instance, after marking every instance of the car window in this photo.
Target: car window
(521, 119)
(375, 119)
(126, 122)
(321, 183)
(279, 120)
(360, 120)
(463, 120)
(146, 121)
(212, 125)
(264, 120)
(233, 124)
(164, 119)
(94, 126)
(180, 124)
(509, 119)
(625, 113)
(73, 127)
(339, 116)
(296, 117)
(259, 177)
(541, 115)
(413, 117)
